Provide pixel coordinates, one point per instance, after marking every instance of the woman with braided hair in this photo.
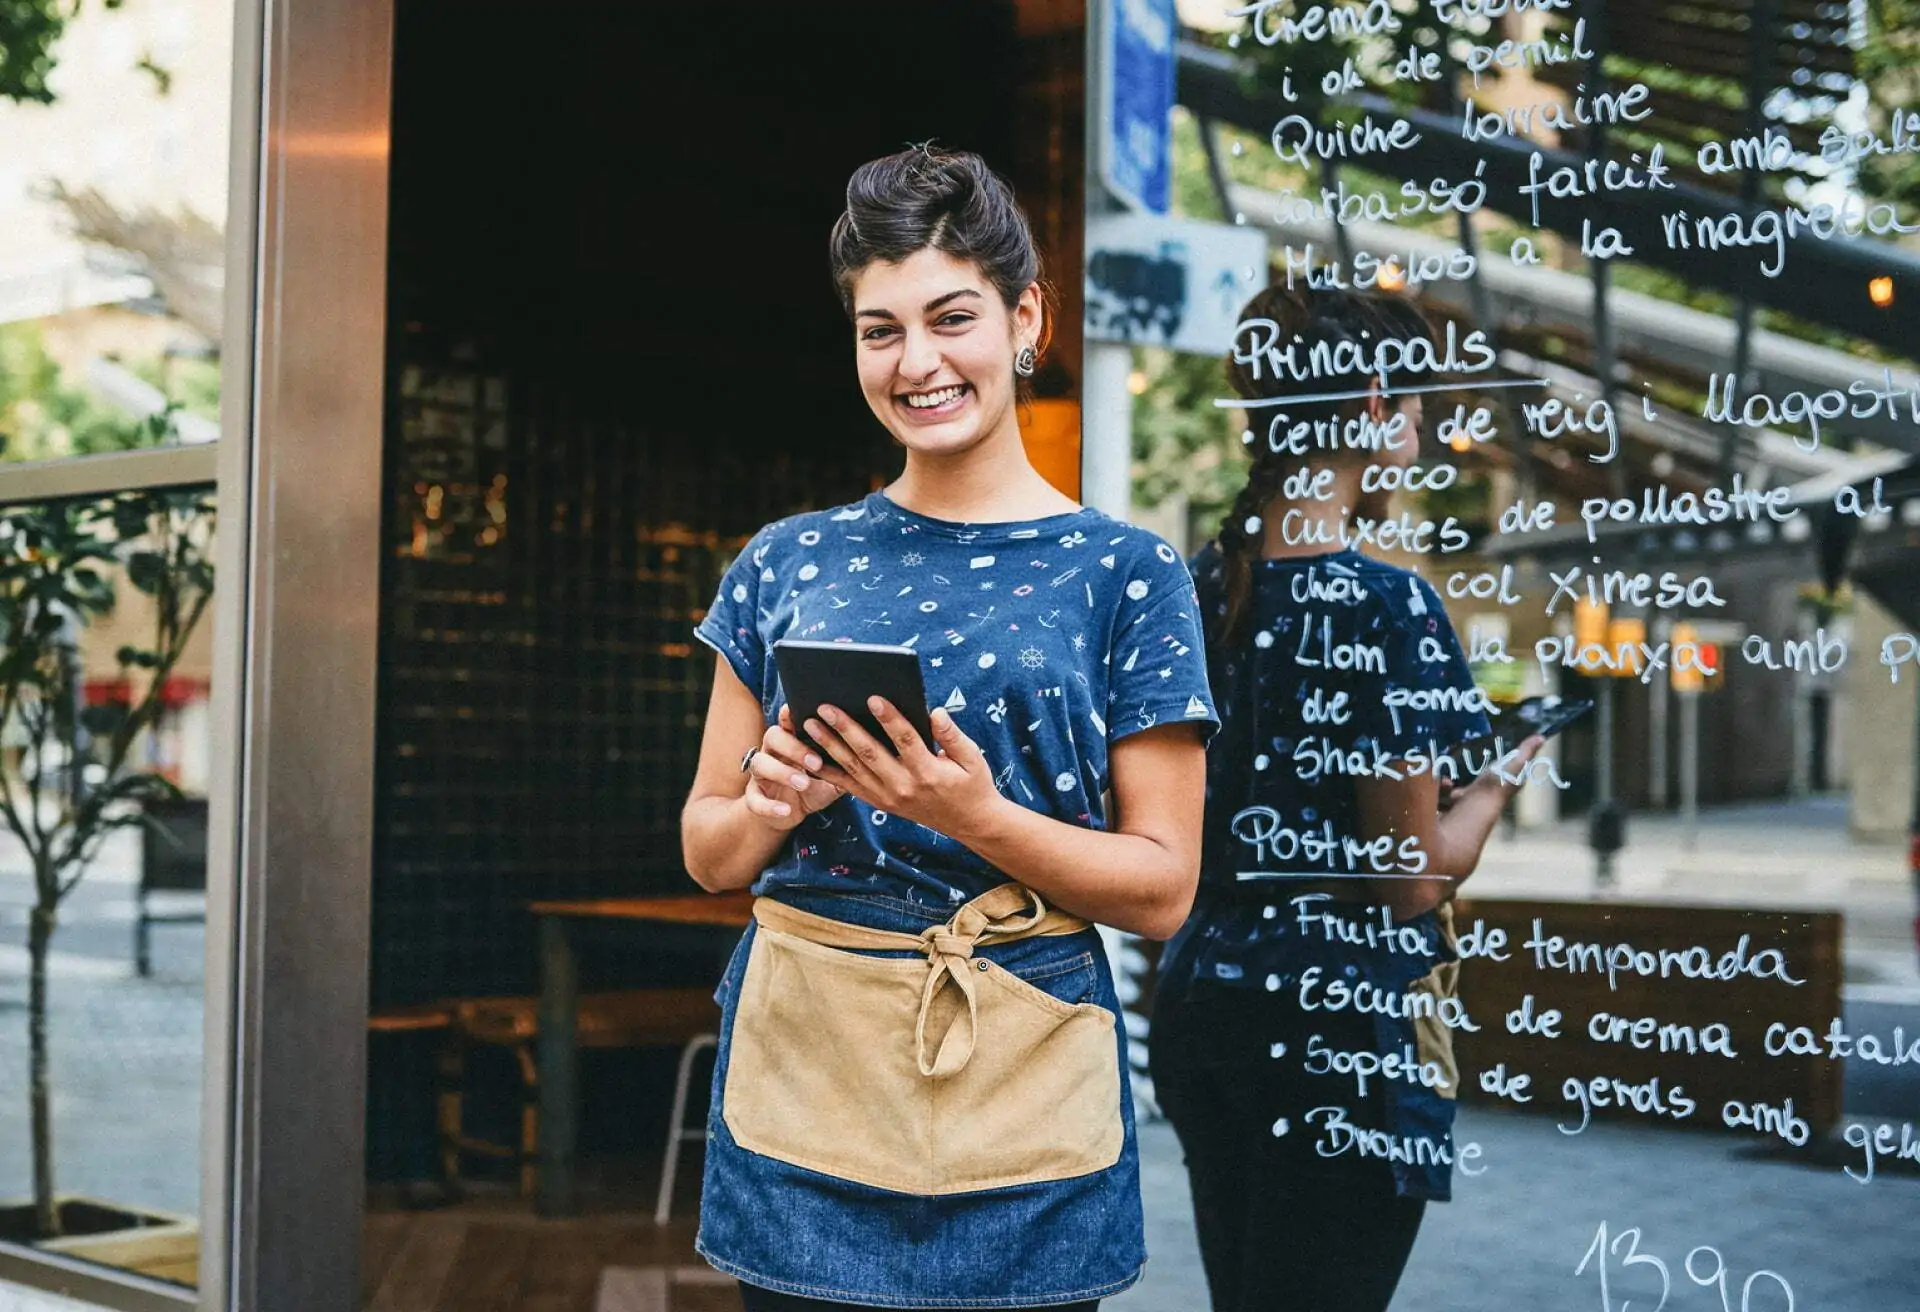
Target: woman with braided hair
(1302, 1024)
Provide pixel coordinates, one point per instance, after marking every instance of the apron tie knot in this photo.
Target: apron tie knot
(949, 949)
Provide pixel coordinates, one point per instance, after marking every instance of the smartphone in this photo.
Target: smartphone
(1545, 716)
(844, 675)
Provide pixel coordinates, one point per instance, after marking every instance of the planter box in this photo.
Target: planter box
(160, 1245)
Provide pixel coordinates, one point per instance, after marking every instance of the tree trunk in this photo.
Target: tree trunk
(39, 936)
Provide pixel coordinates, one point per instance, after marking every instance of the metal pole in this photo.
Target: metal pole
(1106, 431)
(1601, 271)
(1216, 172)
(1689, 768)
(1603, 774)
(1659, 699)
(1760, 44)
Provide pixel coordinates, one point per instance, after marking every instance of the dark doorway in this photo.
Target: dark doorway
(613, 352)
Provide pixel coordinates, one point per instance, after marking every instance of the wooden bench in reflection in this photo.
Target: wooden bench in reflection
(632, 1018)
(1809, 940)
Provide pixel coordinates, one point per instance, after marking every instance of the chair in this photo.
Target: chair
(635, 1018)
(677, 1131)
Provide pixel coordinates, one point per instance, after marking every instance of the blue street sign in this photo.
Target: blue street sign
(1136, 126)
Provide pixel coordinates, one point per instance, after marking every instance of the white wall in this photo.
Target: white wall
(1876, 722)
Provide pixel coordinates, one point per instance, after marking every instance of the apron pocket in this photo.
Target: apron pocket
(823, 1073)
(1041, 1098)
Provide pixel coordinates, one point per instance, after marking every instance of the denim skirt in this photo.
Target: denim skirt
(784, 1227)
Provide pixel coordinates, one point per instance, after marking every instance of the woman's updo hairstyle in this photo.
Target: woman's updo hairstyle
(950, 201)
(1306, 318)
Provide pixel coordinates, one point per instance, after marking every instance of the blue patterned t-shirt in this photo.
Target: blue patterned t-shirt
(1047, 640)
(1346, 667)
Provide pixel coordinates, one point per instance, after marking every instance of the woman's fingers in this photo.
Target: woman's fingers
(953, 741)
(843, 763)
(1528, 749)
(785, 742)
(909, 745)
(769, 801)
(769, 768)
(871, 756)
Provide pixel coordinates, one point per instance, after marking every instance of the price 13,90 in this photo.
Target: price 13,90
(1763, 1291)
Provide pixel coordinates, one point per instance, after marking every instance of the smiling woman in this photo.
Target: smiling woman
(895, 1111)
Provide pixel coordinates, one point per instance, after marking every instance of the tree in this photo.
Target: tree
(73, 782)
(29, 30)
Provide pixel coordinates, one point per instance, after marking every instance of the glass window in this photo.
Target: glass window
(1508, 369)
(103, 826)
(112, 206)
(112, 203)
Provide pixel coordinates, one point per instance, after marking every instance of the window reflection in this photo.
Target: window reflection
(103, 680)
(1683, 974)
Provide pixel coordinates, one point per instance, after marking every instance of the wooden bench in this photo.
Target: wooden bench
(1747, 1006)
(634, 1018)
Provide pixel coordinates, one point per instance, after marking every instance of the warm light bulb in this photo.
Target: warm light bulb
(1392, 277)
(1880, 291)
(1137, 382)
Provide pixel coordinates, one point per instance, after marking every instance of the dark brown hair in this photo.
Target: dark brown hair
(1327, 317)
(950, 201)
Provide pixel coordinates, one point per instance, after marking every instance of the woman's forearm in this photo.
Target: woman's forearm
(1459, 837)
(1127, 881)
(723, 845)
(1463, 831)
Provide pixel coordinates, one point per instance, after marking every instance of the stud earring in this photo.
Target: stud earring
(1025, 360)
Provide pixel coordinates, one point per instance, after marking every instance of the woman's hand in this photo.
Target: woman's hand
(1501, 780)
(950, 793)
(782, 787)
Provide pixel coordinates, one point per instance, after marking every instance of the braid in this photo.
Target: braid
(1239, 543)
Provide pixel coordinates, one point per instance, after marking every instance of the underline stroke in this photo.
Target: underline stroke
(1234, 402)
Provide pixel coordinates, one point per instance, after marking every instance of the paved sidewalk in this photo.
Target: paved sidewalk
(1510, 1240)
(127, 1073)
(1764, 855)
(126, 1051)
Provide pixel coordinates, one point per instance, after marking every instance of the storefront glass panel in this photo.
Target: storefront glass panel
(113, 263)
(1663, 1053)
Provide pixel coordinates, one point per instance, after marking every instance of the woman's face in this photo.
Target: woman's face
(935, 347)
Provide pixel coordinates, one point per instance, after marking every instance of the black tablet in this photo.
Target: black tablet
(844, 675)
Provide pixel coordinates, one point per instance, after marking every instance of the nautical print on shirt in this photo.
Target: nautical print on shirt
(1047, 640)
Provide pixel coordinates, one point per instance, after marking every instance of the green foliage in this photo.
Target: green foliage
(29, 29)
(1182, 442)
(57, 562)
(192, 382)
(70, 782)
(42, 418)
(1888, 63)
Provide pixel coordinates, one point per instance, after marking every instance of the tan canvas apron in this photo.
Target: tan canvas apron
(1432, 1037)
(932, 1075)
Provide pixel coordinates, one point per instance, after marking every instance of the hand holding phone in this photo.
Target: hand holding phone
(947, 787)
(1547, 716)
(844, 675)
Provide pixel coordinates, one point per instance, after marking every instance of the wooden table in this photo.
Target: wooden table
(558, 1053)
